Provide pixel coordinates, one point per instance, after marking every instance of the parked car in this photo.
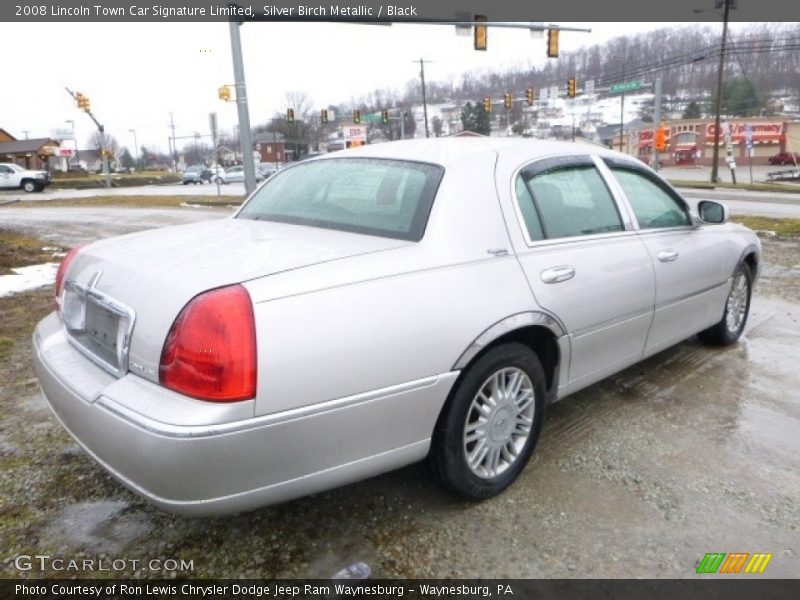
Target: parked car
(785, 158)
(196, 174)
(398, 302)
(236, 174)
(267, 170)
(13, 176)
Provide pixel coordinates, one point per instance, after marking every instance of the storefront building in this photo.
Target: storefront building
(690, 142)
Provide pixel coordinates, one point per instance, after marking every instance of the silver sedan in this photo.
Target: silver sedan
(413, 300)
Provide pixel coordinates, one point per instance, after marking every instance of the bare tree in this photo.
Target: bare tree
(103, 141)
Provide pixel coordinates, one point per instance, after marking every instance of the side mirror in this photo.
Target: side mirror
(713, 212)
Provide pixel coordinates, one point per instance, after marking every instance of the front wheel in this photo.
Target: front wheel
(737, 308)
(489, 427)
(29, 186)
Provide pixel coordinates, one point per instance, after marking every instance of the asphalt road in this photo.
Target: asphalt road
(695, 450)
(170, 189)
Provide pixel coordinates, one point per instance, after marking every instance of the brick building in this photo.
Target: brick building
(691, 141)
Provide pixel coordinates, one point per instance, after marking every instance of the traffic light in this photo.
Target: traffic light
(487, 104)
(323, 115)
(661, 139)
(224, 93)
(290, 115)
(529, 96)
(481, 33)
(385, 117)
(357, 116)
(83, 101)
(552, 43)
(507, 100)
(572, 87)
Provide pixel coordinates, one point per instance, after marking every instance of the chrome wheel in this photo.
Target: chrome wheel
(499, 422)
(736, 307)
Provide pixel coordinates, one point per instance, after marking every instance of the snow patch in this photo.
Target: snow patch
(28, 278)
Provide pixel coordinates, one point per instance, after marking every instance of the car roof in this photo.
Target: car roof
(449, 151)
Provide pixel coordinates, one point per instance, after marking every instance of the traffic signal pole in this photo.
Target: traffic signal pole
(245, 140)
(101, 129)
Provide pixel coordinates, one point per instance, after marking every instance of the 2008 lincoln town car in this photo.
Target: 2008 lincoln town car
(376, 307)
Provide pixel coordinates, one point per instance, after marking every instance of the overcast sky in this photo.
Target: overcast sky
(136, 74)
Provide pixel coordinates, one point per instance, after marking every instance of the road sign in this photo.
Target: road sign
(588, 87)
(748, 137)
(554, 92)
(625, 86)
(371, 117)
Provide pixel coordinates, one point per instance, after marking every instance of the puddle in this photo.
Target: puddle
(28, 278)
(96, 527)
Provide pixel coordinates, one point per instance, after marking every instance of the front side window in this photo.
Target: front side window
(389, 198)
(653, 206)
(569, 200)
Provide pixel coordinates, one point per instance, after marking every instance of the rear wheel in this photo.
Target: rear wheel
(737, 308)
(489, 427)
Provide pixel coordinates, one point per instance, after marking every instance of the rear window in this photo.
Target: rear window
(389, 198)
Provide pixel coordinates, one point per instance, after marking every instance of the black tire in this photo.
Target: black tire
(730, 327)
(449, 448)
(29, 186)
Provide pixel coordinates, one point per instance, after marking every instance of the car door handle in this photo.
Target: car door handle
(667, 255)
(556, 274)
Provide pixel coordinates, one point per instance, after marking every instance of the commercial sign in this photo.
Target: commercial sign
(761, 132)
(355, 133)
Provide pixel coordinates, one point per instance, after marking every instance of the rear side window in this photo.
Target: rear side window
(569, 201)
(389, 198)
(653, 206)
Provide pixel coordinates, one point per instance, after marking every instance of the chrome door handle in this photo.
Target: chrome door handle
(667, 255)
(557, 274)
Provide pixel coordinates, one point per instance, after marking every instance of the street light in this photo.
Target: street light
(75, 140)
(136, 147)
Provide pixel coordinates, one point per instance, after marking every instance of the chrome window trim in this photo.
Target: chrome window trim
(530, 243)
(114, 306)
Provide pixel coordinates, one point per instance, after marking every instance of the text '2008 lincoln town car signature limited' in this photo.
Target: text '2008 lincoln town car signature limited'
(412, 300)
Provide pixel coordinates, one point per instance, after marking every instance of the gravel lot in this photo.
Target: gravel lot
(695, 450)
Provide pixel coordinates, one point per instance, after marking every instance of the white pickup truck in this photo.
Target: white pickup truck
(14, 176)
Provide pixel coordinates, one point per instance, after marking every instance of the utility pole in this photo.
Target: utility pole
(656, 121)
(718, 111)
(173, 147)
(241, 105)
(424, 98)
(622, 109)
(26, 132)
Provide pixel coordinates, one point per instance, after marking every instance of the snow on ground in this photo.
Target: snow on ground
(27, 278)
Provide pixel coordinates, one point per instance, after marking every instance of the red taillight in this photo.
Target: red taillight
(210, 352)
(62, 269)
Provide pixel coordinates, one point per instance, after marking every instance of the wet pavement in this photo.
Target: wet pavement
(694, 450)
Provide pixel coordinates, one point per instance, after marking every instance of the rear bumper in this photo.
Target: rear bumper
(217, 468)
